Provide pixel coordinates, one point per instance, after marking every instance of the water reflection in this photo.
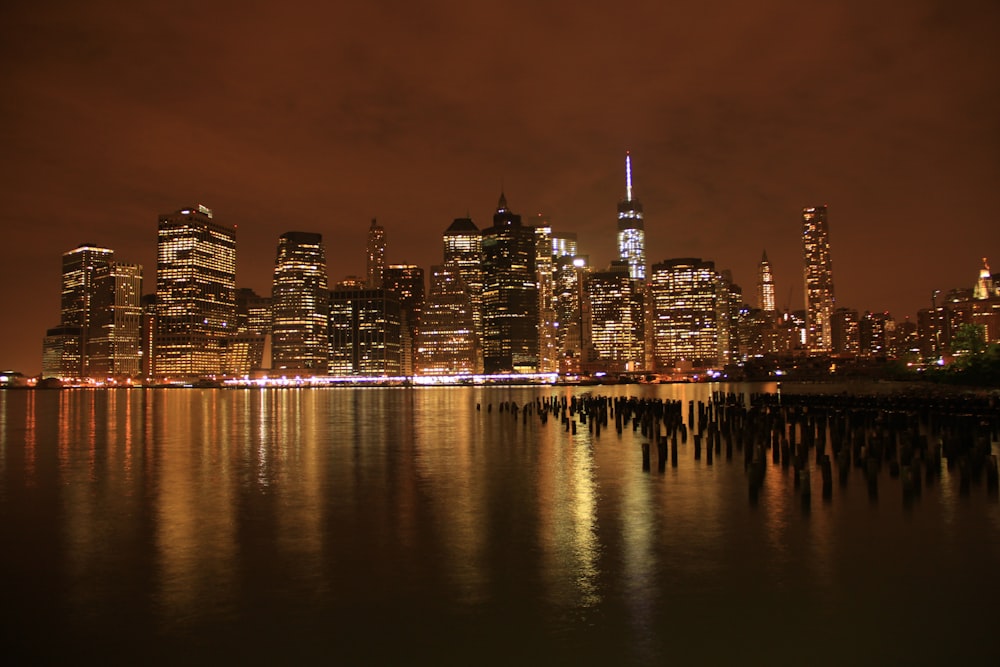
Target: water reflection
(322, 519)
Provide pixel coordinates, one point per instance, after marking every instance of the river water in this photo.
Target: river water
(406, 526)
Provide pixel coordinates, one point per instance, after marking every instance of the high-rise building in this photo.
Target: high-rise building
(873, 333)
(300, 306)
(845, 333)
(545, 243)
(61, 352)
(818, 278)
(365, 333)
(407, 282)
(376, 255)
(690, 307)
(463, 249)
(616, 330)
(572, 327)
(985, 287)
(80, 267)
(114, 340)
(510, 295)
(195, 293)
(631, 231)
(250, 349)
(765, 286)
(446, 343)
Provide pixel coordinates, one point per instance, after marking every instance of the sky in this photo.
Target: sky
(319, 116)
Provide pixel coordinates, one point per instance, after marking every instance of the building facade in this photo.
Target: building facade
(114, 342)
(195, 293)
(616, 320)
(510, 295)
(300, 306)
(376, 255)
(818, 280)
(407, 282)
(631, 229)
(365, 333)
(690, 308)
(446, 343)
(80, 268)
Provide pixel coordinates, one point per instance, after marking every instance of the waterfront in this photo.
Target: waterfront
(397, 525)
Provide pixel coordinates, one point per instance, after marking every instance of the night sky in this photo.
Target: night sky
(319, 116)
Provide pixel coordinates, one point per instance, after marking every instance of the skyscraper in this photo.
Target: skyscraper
(818, 279)
(406, 281)
(510, 294)
(765, 285)
(616, 329)
(376, 255)
(690, 313)
(195, 293)
(631, 233)
(300, 305)
(114, 340)
(545, 244)
(365, 333)
(80, 267)
(446, 343)
(463, 249)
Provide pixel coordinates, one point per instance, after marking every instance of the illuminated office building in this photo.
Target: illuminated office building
(690, 308)
(818, 279)
(572, 321)
(61, 352)
(510, 295)
(446, 343)
(195, 293)
(407, 282)
(463, 249)
(765, 286)
(874, 331)
(114, 341)
(631, 232)
(80, 267)
(299, 306)
(545, 243)
(616, 322)
(249, 350)
(564, 244)
(376, 255)
(365, 333)
(845, 333)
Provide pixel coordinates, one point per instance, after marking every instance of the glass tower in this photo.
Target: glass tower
(195, 293)
(818, 279)
(376, 255)
(300, 305)
(510, 295)
(631, 234)
(80, 268)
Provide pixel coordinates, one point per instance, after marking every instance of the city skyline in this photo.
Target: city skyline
(882, 114)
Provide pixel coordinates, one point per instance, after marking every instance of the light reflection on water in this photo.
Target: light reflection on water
(277, 523)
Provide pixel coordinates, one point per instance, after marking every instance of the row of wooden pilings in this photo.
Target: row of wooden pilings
(911, 435)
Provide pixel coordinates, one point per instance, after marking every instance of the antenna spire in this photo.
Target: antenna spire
(628, 176)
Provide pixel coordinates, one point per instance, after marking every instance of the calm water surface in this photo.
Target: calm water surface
(403, 526)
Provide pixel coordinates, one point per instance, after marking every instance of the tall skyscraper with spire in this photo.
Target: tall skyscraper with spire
(765, 285)
(631, 233)
(819, 280)
(376, 255)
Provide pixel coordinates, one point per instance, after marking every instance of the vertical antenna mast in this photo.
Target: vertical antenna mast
(628, 176)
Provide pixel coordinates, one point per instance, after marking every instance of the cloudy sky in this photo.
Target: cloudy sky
(318, 116)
